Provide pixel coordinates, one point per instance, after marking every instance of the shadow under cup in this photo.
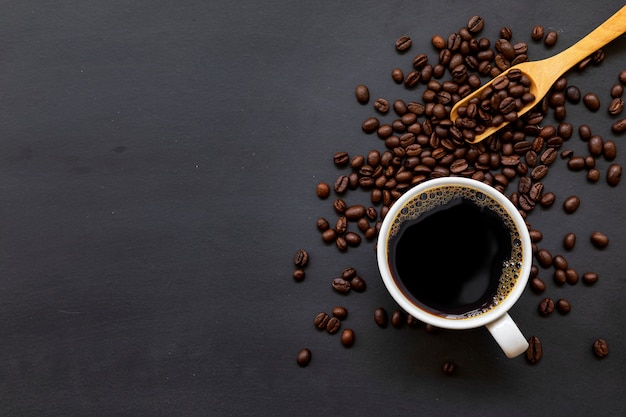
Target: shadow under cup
(455, 253)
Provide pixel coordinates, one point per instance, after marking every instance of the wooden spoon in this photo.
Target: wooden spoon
(545, 72)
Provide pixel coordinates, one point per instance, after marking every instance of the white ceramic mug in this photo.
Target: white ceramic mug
(418, 203)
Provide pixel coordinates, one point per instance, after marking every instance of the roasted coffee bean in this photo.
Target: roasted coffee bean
(599, 240)
(571, 204)
(299, 274)
(358, 284)
(622, 77)
(593, 175)
(590, 278)
(613, 174)
(322, 224)
(536, 191)
(341, 184)
(370, 125)
(559, 277)
(544, 257)
(550, 39)
(595, 145)
(534, 351)
(438, 42)
(329, 235)
(341, 243)
(560, 262)
(591, 101)
(381, 105)
(321, 320)
(411, 79)
(572, 94)
(340, 312)
(571, 276)
(576, 163)
(537, 285)
(333, 325)
(600, 348)
(355, 212)
(617, 91)
(475, 24)
(348, 273)
(547, 199)
(539, 172)
(322, 190)
(341, 285)
(569, 241)
(563, 306)
(352, 239)
(341, 225)
(340, 207)
(619, 126)
(565, 130)
(380, 317)
(546, 307)
(398, 319)
(304, 357)
(403, 43)
(609, 150)
(535, 235)
(524, 185)
(537, 33)
(362, 94)
(616, 106)
(397, 75)
(448, 368)
(301, 258)
(347, 338)
(548, 156)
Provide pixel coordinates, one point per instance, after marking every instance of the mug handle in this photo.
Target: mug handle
(508, 335)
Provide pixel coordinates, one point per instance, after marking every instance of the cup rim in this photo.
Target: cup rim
(439, 321)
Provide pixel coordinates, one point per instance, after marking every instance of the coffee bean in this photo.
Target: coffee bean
(352, 239)
(536, 191)
(590, 278)
(546, 307)
(534, 351)
(600, 348)
(340, 312)
(571, 204)
(380, 317)
(411, 79)
(547, 199)
(333, 325)
(576, 163)
(595, 145)
(599, 240)
(539, 172)
(341, 285)
(559, 277)
(347, 337)
(322, 190)
(616, 106)
(381, 105)
(609, 150)
(572, 94)
(438, 42)
(591, 101)
(537, 285)
(355, 212)
(348, 273)
(341, 225)
(358, 284)
(571, 276)
(622, 77)
(403, 43)
(370, 125)
(304, 357)
(535, 235)
(537, 33)
(617, 91)
(362, 94)
(613, 174)
(548, 156)
(397, 75)
(398, 319)
(559, 262)
(619, 126)
(475, 24)
(550, 39)
(593, 175)
(301, 258)
(569, 241)
(329, 235)
(341, 184)
(544, 257)
(321, 320)
(448, 368)
(563, 306)
(299, 274)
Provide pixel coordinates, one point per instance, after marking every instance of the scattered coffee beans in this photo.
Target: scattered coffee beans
(551, 39)
(397, 319)
(591, 101)
(537, 285)
(380, 317)
(301, 258)
(600, 348)
(362, 94)
(571, 204)
(563, 306)
(614, 174)
(299, 274)
(590, 278)
(546, 307)
(333, 325)
(569, 241)
(321, 320)
(304, 357)
(403, 43)
(340, 312)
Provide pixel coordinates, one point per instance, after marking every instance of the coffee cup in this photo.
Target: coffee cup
(456, 253)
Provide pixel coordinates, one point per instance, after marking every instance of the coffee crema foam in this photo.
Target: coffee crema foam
(439, 196)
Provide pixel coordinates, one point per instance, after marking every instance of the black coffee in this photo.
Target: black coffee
(455, 253)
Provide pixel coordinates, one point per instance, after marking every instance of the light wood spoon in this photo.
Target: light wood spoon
(545, 72)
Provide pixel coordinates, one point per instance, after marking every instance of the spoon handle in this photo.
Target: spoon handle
(613, 27)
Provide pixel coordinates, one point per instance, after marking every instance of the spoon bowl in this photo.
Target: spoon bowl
(544, 73)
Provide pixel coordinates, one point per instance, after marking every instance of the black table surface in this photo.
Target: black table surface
(158, 169)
